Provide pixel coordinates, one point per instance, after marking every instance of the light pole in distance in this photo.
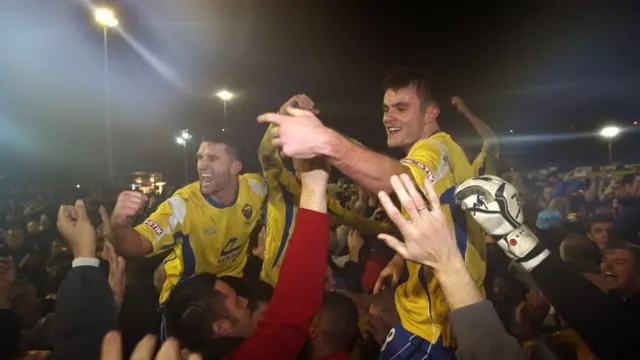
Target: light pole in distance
(107, 19)
(609, 133)
(183, 139)
(225, 96)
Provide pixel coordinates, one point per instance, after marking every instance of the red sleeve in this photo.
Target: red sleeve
(298, 296)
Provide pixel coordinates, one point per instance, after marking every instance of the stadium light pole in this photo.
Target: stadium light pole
(107, 19)
(183, 139)
(225, 96)
(609, 133)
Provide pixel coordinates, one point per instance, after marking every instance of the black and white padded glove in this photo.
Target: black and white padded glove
(495, 205)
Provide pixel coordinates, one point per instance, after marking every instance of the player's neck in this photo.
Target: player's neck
(227, 195)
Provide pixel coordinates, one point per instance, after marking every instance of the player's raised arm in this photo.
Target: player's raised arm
(489, 137)
(302, 135)
(125, 240)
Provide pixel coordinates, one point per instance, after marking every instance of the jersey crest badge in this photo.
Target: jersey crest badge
(247, 211)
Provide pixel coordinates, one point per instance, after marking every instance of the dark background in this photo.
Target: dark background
(553, 71)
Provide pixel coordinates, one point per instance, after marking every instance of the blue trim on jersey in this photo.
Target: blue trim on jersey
(220, 205)
(289, 205)
(459, 218)
(459, 224)
(188, 257)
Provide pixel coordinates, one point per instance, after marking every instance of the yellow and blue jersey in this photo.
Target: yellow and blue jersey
(283, 199)
(203, 235)
(420, 301)
(486, 163)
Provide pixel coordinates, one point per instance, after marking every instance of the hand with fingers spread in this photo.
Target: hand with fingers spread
(170, 350)
(428, 238)
(76, 229)
(299, 133)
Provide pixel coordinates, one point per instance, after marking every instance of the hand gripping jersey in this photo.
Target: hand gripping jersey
(283, 199)
(420, 301)
(486, 163)
(203, 235)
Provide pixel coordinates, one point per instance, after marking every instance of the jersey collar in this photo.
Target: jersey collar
(220, 205)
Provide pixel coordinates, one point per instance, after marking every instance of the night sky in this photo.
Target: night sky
(553, 71)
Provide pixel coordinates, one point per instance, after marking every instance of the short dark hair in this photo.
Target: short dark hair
(598, 219)
(192, 308)
(340, 314)
(579, 249)
(401, 77)
(627, 246)
(226, 138)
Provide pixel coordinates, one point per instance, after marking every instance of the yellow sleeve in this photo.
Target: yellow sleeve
(426, 161)
(486, 161)
(356, 221)
(273, 167)
(163, 224)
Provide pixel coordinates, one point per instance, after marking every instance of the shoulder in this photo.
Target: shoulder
(256, 183)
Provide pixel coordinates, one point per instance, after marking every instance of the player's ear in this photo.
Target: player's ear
(236, 167)
(221, 328)
(432, 113)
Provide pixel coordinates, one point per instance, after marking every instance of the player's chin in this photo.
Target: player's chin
(208, 189)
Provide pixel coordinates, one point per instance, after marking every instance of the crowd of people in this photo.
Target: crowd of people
(429, 257)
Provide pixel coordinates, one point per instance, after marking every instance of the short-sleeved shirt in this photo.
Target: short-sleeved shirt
(420, 301)
(202, 234)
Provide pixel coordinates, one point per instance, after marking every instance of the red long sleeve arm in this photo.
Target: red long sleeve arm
(298, 296)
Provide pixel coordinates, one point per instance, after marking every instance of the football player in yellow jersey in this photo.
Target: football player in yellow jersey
(204, 226)
(410, 118)
(284, 196)
(487, 161)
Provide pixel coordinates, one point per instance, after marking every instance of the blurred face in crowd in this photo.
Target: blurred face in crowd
(26, 304)
(57, 246)
(599, 233)
(619, 272)
(45, 223)
(100, 238)
(329, 280)
(405, 117)
(240, 321)
(15, 238)
(33, 227)
(217, 168)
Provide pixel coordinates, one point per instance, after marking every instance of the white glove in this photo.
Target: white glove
(495, 205)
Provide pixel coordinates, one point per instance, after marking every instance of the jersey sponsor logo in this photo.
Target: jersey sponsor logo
(422, 166)
(157, 229)
(247, 211)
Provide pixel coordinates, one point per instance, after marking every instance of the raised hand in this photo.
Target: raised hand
(428, 238)
(170, 350)
(495, 205)
(76, 229)
(117, 267)
(300, 101)
(129, 204)
(459, 104)
(300, 134)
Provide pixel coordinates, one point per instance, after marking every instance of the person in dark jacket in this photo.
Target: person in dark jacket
(606, 322)
(85, 306)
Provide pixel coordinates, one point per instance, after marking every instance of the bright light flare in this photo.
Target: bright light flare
(610, 132)
(225, 95)
(105, 17)
(180, 140)
(185, 135)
